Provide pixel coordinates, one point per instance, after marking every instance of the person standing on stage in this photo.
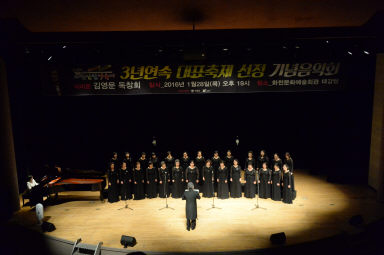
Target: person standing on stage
(228, 160)
(177, 180)
(263, 158)
(208, 178)
(143, 161)
(215, 164)
(289, 163)
(277, 160)
(185, 161)
(114, 160)
(170, 162)
(287, 188)
(125, 177)
(155, 160)
(128, 160)
(192, 174)
(113, 184)
(138, 177)
(151, 177)
(164, 180)
(222, 180)
(191, 206)
(199, 163)
(250, 159)
(250, 177)
(275, 183)
(235, 178)
(265, 181)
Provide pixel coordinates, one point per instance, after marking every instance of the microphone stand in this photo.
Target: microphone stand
(126, 206)
(213, 201)
(166, 196)
(258, 193)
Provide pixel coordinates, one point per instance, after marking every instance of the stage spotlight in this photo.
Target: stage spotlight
(237, 141)
(350, 53)
(50, 57)
(297, 47)
(225, 49)
(154, 141)
(202, 54)
(278, 238)
(284, 47)
(366, 52)
(127, 241)
(326, 41)
(64, 46)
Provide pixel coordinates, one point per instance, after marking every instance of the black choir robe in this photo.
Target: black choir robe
(264, 187)
(208, 174)
(215, 165)
(184, 162)
(128, 161)
(287, 191)
(143, 163)
(289, 163)
(228, 162)
(261, 160)
(191, 206)
(278, 162)
(155, 162)
(177, 182)
(250, 160)
(138, 177)
(192, 175)
(164, 181)
(125, 178)
(169, 162)
(235, 174)
(113, 186)
(276, 186)
(222, 186)
(250, 185)
(152, 178)
(200, 163)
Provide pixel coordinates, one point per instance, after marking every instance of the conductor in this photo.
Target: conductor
(191, 207)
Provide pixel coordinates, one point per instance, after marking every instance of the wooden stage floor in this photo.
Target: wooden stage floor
(321, 210)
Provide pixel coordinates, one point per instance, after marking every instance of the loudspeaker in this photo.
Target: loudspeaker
(128, 241)
(47, 227)
(278, 238)
(356, 220)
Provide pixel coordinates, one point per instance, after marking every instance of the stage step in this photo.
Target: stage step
(83, 248)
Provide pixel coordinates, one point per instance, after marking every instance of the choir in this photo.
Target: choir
(149, 178)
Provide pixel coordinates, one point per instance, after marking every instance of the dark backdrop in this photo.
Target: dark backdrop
(326, 132)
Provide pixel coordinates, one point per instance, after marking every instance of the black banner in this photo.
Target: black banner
(197, 78)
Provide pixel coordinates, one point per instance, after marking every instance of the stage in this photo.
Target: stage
(320, 210)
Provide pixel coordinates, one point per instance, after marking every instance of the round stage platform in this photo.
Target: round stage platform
(320, 210)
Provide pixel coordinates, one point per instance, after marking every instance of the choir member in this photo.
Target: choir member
(216, 163)
(125, 177)
(114, 160)
(287, 188)
(192, 174)
(138, 177)
(250, 177)
(228, 161)
(170, 162)
(177, 180)
(151, 177)
(250, 159)
(235, 177)
(222, 180)
(264, 181)
(128, 160)
(275, 183)
(289, 162)
(200, 162)
(263, 158)
(113, 184)
(185, 160)
(208, 178)
(155, 160)
(277, 160)
(143, 161)
(164, 180)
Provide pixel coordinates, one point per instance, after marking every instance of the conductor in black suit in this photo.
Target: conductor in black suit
(191, 207)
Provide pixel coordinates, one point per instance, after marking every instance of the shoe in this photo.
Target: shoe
(188, 229)
(193, 227)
